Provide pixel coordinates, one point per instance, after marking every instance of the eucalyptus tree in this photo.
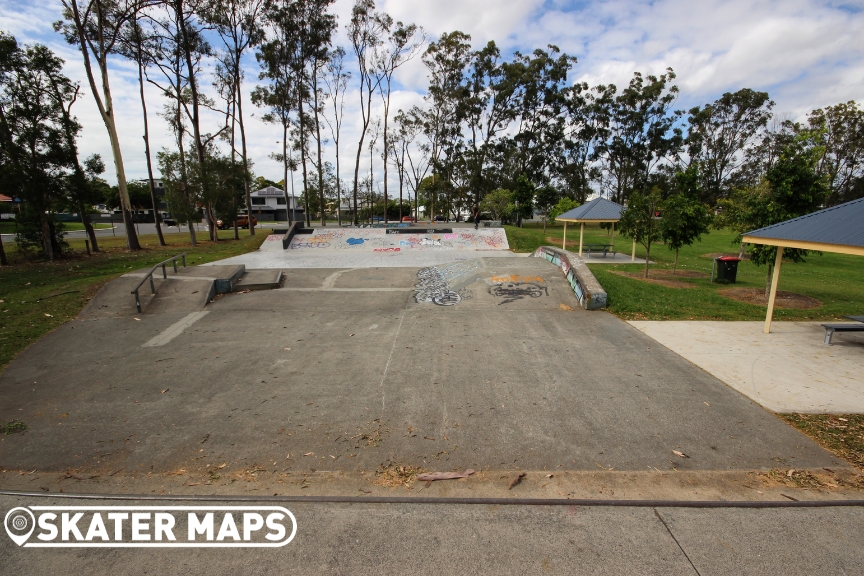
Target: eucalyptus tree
(276, 57)
(320, 27)
(489, 108)
(65, 94)
(364, 31)
(335, 79)
(137, 44)
(839, 131)
(33, 123)
(539, 100)
(641, 132)
(95, 26)
(237, 22)
(719, 135)
(582, 129)
(179, 48)
(446, 60)
(412, 131)
(404, 42)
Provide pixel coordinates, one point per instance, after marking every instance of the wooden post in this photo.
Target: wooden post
(564, 244)
(633, 256)
(774, 280)
(581, 234)
(612, 235)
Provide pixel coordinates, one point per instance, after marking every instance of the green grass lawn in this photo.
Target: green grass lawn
(38, 296)
(837, 280)
(7, 227)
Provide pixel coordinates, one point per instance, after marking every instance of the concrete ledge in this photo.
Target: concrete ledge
(588, 290)
(296, 228)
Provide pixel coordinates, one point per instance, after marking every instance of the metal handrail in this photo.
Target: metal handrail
(149, 276)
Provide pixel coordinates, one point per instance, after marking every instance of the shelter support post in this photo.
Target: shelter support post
(774, 280)
(633, 255)
(581, 235)
(564, 244)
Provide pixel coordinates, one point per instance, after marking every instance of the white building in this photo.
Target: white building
(268, 205)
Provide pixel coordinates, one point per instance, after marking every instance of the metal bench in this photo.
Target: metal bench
(830, 329)
(598, 247)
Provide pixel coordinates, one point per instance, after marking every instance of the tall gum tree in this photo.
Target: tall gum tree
(94, 25)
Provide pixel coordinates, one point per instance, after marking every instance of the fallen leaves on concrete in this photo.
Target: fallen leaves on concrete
(432, 476)
(516, 480)
(679, 454)
(394, 475)
(842, 434)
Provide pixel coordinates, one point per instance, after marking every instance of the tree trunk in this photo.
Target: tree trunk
(768, 280)
(239, 100)
(386, 113)
(285, 174)
(3, 260)
(85, 219)
(303, 158)
(47, 244)
(338, 186)
(741, 251)
(675, 265)
(318, 136)
(192, 239)
(157, 219)
(647, 257)
(401, 180)
(106, 111)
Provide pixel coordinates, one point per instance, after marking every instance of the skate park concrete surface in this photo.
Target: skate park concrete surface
(343, 380)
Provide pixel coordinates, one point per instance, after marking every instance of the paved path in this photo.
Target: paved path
(789, 370)
(461, 539)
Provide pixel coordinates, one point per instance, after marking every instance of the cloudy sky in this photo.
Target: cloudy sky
(804, 53)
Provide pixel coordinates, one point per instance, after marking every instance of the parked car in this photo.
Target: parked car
(440, 218)
(408, 219)
(242, 222)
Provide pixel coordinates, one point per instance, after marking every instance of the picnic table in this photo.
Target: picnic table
(830, 329)
(597, 248)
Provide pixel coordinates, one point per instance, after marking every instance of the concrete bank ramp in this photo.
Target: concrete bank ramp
(376, 247)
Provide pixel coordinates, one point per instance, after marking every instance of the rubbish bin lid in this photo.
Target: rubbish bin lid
(729, 259)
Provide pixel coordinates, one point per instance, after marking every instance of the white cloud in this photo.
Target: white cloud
(805, 53)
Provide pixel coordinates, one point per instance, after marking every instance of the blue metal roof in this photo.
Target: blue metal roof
(597, 209)
(842, 225)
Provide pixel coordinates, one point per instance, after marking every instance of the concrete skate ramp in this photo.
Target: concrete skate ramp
(376, 247)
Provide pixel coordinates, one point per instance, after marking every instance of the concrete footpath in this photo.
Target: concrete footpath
(481, 539)
(788, 370)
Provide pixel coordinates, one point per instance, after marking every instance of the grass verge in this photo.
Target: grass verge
(835, 280)
(841, 434)
(38, 296)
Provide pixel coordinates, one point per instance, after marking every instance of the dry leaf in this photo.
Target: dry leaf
(431, 476)
(679, 453)
(287, 348)
(138, 319)
(49, 315)
(790, 473)
(516, 480)
(165, 390)
(309, 454)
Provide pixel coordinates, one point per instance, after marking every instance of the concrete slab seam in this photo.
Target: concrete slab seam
(174, 330)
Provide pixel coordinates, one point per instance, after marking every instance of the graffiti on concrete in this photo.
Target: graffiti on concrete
(386, 250)
(355, 241)
(304, 245)
(513, 287)
(433, 287)
(512, 291)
